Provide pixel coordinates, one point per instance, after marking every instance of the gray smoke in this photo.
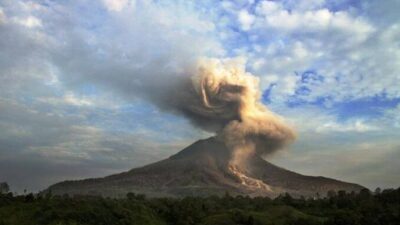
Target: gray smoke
(218, 95)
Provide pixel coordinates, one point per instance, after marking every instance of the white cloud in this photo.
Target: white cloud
(115, 5)
(305, 5)
(69, 98)
(73, 100)
(48, 70)
(392, 116)
(246, 19)
(268, 80)
(3, 16)
(271, 15)
(257, 64)
(30, 6)
(29, 21)
(288, 84)
(352, 126)
(82, 76)
(355, 57)
(268, 7)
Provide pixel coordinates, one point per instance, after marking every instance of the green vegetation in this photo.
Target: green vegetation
(364, 208)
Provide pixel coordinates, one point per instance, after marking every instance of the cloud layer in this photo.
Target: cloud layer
(83, 83)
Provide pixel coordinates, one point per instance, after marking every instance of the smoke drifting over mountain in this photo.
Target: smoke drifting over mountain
(220, 96)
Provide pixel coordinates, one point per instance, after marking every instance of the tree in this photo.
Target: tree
(331, 194)
(29, 197)
(365, 194)
(287, 199)
(4, 188)
(130, 196)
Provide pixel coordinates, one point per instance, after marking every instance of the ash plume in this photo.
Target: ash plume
(220, 96)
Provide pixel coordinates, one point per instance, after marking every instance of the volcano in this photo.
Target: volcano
(204, 169)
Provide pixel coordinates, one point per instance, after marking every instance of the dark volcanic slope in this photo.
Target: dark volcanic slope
(203, 169)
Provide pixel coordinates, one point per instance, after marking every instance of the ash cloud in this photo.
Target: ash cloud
(215, 94)
(218, 95)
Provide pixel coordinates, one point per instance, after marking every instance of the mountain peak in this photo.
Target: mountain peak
(205, 168)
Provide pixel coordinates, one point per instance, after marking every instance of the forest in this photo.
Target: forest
(338, 208)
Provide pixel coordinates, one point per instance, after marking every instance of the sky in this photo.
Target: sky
(74, 83)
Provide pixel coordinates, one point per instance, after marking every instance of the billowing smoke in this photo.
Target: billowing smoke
(220, 96)
(217, 95)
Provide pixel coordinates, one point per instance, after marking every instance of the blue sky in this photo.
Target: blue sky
(78, 80)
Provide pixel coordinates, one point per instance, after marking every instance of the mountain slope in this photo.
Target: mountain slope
(201, 169)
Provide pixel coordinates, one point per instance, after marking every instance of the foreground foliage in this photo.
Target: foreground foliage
(338, 208)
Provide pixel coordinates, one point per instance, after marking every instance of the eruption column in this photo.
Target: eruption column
(226, 99)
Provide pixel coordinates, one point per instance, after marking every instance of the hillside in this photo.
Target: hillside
(203, 169)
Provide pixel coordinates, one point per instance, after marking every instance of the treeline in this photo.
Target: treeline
(364, 208)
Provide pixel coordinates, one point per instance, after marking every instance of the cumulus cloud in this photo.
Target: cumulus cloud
(2, 16)
(59, 107)
(273, 15)
(39, 148)
(29, 22)
(246, 19)
(349, 50)
(87, 72)
(115, 5)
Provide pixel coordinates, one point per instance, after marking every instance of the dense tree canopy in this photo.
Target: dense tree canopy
(4, 188)
(339, 208)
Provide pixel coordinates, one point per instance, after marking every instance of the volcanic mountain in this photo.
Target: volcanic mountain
(202, 169)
